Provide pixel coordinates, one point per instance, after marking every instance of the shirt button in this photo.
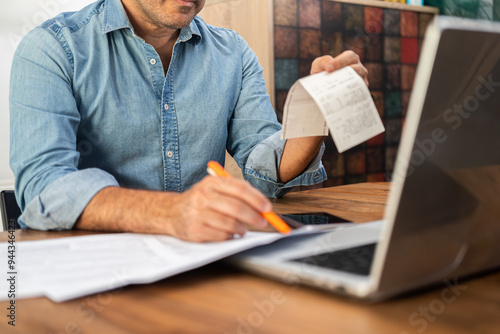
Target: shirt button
(166, 106)
(170, 154)
(152, 61)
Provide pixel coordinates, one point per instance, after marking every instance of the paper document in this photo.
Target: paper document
(67, 268)
(339, 101)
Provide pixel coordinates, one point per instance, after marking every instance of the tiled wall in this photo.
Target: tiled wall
(388, 42)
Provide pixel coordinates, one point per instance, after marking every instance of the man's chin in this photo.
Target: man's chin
(178, 24)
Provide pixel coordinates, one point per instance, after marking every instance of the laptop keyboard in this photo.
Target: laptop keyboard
(356, 260)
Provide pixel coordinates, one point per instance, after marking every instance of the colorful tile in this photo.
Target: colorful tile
(392, 49)
(423, 22)
(393, 76)
(373, 48)
(392, 131)
(375, 75)
(280, 103)
(355, 162)
(286, 42)
(331, 43)
(310, 43)
(378, 177)
(374, 20)
(409, 24)
(285, 12)
(331, 16)
(408, 76)
(305, 67)
(392, 22)
(378, 140)
(286, 72)
(393, 104)
(378, 99)
(388, 42)
(353, 18)
(333, 161)
(409, 50)
(375, 159)
(390, 158)
(355, 44)
(405, 101)
(310, 13)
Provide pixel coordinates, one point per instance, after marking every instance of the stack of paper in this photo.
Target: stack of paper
(67, 268)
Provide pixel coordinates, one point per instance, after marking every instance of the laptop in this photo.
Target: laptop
(442, 218)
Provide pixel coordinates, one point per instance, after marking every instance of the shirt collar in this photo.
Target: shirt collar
(191, 31)
(115, 18)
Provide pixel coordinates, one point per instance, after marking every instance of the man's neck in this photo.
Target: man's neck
(162, 39)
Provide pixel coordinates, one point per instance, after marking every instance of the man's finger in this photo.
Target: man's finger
(362, 72)
(206, 233)
(235, 210)
(320, 64)
(243, 191)
(346, 58)
(225, 223)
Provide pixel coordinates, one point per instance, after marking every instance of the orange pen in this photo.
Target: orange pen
(214, 168)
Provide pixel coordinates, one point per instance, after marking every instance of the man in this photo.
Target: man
(130, 95)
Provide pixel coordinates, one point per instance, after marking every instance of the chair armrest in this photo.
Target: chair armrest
(10, 211)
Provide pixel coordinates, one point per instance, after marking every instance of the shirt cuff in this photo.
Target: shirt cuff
(63, 201)
(262, 166)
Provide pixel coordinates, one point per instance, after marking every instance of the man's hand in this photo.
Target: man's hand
(217, 208)
(299, 152)
(347, 58)
(214, 209)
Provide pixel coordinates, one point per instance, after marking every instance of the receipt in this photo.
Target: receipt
(338, 101)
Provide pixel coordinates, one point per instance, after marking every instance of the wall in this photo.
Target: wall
(16, 19)
(387, 36)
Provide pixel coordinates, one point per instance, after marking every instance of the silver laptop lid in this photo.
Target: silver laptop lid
(443, 213)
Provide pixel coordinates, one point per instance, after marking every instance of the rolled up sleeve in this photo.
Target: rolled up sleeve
(62, 202)
(263, 165)
(255, 135)
(50, 190)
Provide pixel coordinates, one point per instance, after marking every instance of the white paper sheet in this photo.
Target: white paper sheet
(339, 101)
(66, 268)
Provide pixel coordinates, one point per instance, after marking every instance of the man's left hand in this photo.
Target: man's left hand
(347, 58)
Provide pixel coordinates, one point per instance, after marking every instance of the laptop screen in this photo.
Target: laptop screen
(447, 222)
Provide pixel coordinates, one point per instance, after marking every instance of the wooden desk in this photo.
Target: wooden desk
(221, 299)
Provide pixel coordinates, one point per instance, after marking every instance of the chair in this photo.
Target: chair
(9, 209)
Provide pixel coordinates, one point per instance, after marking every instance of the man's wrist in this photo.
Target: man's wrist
(297, 155)
(128, 210)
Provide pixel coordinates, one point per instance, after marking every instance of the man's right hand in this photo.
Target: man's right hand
(214, 209)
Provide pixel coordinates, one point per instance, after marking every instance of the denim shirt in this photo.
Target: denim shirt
(91, 107)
